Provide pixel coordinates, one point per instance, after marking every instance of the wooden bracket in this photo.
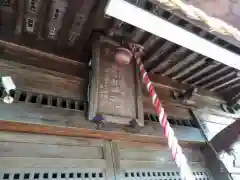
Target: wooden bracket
(185, 96)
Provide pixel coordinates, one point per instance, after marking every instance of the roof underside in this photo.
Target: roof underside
(67, 29)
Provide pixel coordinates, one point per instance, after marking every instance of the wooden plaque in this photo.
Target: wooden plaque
(114, 91)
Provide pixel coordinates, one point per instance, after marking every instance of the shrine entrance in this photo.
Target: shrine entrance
(32, 156)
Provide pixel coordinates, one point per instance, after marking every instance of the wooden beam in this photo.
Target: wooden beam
(174, 108)
(181, 66)
(20, 17)
(205, 72)
(230, 82)
(43, 16)
(36, 113)
(197, 74)
(191, 68)
(163, 81)
(229, 74)
(174, 59)
(174, 111)
(229, 88)
(222, 68)
(90, 10)
(39, 80)
(155, 58)
(166, 97)
(87, 133)
(68, 20)
(32, 51)
(150, 43)
(137, 35)
(24, 55)
(123, 10)
(166, 55)
(172, 56)
(183, 59)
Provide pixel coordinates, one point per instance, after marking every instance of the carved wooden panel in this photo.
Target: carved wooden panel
(32, 15)
(33, 6)
(58, 10)
(115, 91)
(79, 20)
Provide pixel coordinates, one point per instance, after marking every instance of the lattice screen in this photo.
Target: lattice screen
(46, 174)
(71, 174)
(162, 175)
(44, 99)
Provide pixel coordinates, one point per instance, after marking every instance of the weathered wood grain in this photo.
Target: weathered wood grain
(27, 150)
(110, 171)
(24, 55)
(43, 81)
(53, 116)
(49, 140)
(165, 87)
(116, 86)
(20, 17)
(166, 96)
(165, 82)
(15, 149)
(44, 114)
(130, 164)
(173, 111)
(143, 154)
(222, 131)
(88, 133)
(132, 156)
(35, 162)
(115, 91)
(214, 164)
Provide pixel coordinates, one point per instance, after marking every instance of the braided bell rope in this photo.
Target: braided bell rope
(176, 150)
(214, 24)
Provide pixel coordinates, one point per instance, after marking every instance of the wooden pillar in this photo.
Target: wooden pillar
(215, 165)
(226, 138)
(221, 151)
(115, 91)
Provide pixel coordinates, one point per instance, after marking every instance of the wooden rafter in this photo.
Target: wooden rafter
(171, 32)
(20, 18)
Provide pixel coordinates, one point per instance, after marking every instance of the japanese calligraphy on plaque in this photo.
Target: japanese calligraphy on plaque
(115, 93)
(118, 96)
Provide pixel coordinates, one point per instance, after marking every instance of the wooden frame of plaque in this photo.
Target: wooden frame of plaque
(114, 91)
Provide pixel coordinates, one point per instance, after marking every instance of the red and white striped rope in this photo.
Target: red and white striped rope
(177, 153)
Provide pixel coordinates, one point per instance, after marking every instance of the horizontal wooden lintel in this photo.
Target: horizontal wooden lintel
(11, 126)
